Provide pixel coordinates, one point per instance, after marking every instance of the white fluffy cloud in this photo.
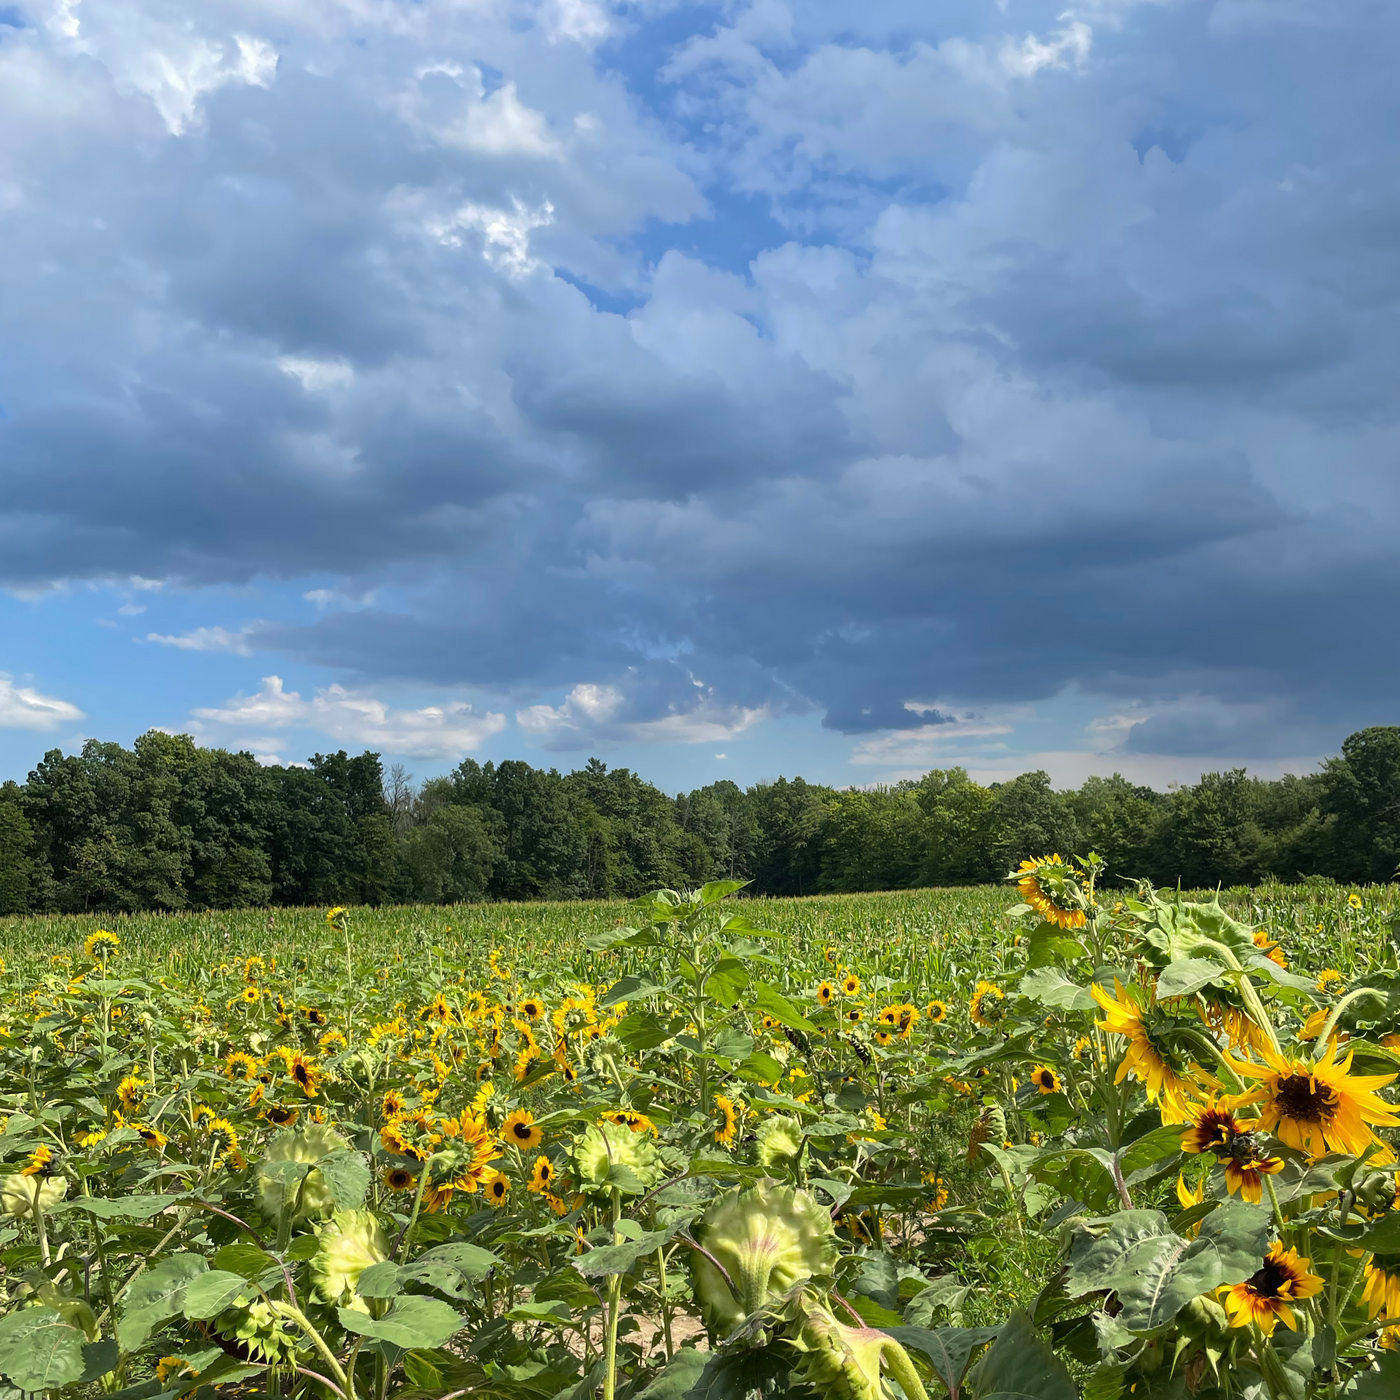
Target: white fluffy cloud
(24, 708)
(592, 714)
(436, 731)
(208, 639)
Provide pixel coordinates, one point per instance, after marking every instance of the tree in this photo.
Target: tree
(1360, 791)
(20, 891)
(448, 858)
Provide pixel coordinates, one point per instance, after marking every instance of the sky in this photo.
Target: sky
(726, 390)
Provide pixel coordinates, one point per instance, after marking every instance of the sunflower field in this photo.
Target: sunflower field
(1039, 1143)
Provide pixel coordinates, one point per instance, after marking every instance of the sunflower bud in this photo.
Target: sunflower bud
(19, 1193)
(767, 1238)
(606, 1145)
(265, 1335)
(312, 1195)
(839, 1362)
(1376, 1191)
(349, 1242)
(779, 1142)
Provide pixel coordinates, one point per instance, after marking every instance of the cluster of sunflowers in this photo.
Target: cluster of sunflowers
(702, 1159)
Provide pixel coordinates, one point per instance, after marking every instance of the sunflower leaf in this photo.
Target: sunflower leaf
(347, 1176)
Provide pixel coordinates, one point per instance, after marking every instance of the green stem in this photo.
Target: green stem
(295, 1314)
(614, 1306)
(902, 1369)
(665, 1303)
(1330, 1024)
(413, 1218)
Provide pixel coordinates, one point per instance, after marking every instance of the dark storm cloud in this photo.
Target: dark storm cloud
(1077, 372)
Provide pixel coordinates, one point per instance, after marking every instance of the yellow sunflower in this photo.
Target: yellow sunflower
(1265, 1297)
(131, 1091)
(826, 993)
(497, 1187)
(400, 1179)
(1329, 977)
(1317, 1108)
(850, 986)
(1142, 1058)
(532, 1008)
(630, 1118)
(1053, 889)
(936, 1011)
(728, 1128)
(1382, 1291)
(521, 1130)
(541, 1176)
(1046, 1080)
(101, 945)
(987, 1006)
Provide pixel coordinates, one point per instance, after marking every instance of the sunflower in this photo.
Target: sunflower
(314, 1016)
(1382, 1291)
(728, 1128)
(392, 1104)
(854, 1015)
(305, 1073)
(541, 1176)
(1053, 889)
(333, 914)
(1318, 1108)
(1213, 1129)
(826, 993)
(1354, 900)
(1046, 1080)
(884, 1036)
(400, 1179)
(829, 953)
(281, 1115)
(521, 1130)
(937, 1012)
(250, 995)
(940, 1192)
(240, 1066)
(1245, 1175)
(496, 1187)
(1265, 1297)
(331, 1041)
(630, 1118)
(987, 1007)
(1330, 977)
(101, 945)
(437, 1010)
(152, 1137)
(130, 1092)
(1142, 1058)
(532, 1008)
(39, 1163)
(850, 986)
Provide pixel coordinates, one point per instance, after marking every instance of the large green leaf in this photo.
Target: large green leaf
(39, 1350)
(773, 1003)
(207, 1295)
(412, 1321)
(618, 1258)
(1051, 944)
(1380, 1384)
(156, 1296)
(949, 1349)
(1050, 987)
(1019, 1366)
(630, 989)
(347, 1176)
(1082, 1173)
(1182, 976)
(1156, 1272)
(125, 1208)
(682, 1371)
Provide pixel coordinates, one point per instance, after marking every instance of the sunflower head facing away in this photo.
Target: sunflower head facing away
(1148, 1056)
(1054, 889)
(988, 1005)
(1266, 1296)
(101, 945)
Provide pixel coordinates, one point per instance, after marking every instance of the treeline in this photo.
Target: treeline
(168, 825)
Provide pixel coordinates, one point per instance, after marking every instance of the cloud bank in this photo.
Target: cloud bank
(842, 361)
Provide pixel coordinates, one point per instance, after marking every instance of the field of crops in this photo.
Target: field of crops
(1028, 1144)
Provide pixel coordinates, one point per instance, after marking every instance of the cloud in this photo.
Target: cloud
(838, 358)
(23, 708)
(443, 732)
(207, 639)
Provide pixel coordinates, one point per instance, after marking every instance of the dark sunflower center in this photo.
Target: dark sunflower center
(1267, 1282)
(1305, 1099)
(522, 1130)
(1047, 1080)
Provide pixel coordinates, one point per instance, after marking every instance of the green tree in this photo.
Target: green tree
(448, 858)
(1360, 792)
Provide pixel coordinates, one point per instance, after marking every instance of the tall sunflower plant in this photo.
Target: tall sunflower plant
(1209, 1134)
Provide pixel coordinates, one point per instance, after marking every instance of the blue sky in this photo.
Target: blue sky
(724, 389)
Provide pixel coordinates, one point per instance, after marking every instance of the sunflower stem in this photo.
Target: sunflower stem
(1330, 1024)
